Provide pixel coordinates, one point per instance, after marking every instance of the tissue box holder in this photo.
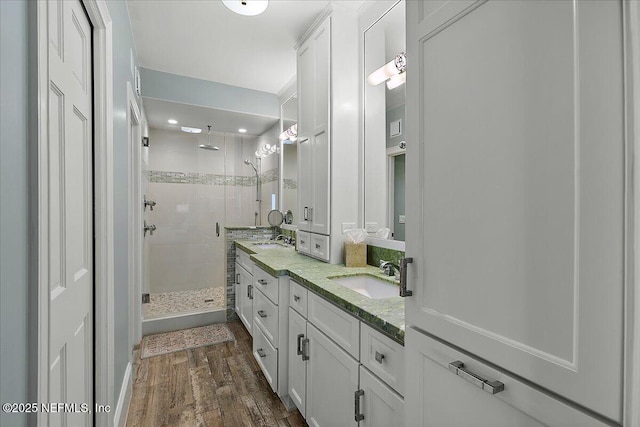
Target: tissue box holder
(355, 254)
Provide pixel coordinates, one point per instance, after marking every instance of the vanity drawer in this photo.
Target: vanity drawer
(336, 323)
(320, 246)
(266, 283)
(303, 242)
(298, 296)
(267, 357)
(243, 259)
(383, 356)
(265, 315)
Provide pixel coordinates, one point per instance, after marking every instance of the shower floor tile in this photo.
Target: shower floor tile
(195, 300)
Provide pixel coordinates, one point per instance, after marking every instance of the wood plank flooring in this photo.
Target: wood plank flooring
(218, 385)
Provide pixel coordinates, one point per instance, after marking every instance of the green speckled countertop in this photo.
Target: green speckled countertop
(385, 315)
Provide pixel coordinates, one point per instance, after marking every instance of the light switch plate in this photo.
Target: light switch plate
(401, 219)
(371, 227)
(348, 226)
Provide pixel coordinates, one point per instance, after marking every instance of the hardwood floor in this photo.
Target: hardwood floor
(218, 385)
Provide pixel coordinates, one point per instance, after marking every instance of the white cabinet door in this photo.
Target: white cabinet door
(332, 380)
(297, 366)
(439, 397)
(379, 404)
(246, 299)
(516, 179)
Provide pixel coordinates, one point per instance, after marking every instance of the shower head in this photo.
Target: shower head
(248, 162)
(208, 145)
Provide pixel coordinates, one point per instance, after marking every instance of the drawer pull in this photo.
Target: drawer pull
(299, 350)
(317, 245)
(492, 387)
(305, 349)
(262, 314)
(238, 278)
(357, 395)
(379, 357)
(296, 298)
(261, 352)
(263, 282)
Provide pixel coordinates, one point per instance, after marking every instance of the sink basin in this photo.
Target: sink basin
(267, 245)
(369, 286)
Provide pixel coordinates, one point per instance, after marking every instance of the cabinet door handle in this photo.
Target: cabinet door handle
(262, 314)
(305, 349)
(357, 395)
(403, 277)
(250, 292)
(263, 282)
(238, 279)
(217, 229)
(306, 213)
(299, 350)
(379, 357)
(296, 298)
(261, 352)
(492, 387)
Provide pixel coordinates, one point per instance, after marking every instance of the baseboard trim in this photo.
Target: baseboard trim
(182, 321)
(122, 408)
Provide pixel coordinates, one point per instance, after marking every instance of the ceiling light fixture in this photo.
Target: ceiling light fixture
(247, 7)
(242, 130)
(172, 121)
(190, 130)
(396, 66)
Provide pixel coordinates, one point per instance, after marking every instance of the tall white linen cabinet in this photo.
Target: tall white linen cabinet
(516, 212)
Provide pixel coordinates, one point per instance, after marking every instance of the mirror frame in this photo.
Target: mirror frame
(374, 13)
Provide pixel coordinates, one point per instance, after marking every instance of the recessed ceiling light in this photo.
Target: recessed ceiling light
(190, 130)
(242, 130)
(247, 7)
(172, 121)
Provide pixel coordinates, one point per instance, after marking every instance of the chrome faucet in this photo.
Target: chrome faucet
(286, 239)
(387, 268)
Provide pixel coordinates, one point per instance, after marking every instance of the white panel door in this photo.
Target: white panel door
(305, 125)
(320, 140)
(246, 298)
(380, 405)
(70, 197)
(332, 380)
(515, 188)
(297, 366)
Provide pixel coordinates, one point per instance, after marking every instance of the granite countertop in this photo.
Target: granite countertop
(385, 315)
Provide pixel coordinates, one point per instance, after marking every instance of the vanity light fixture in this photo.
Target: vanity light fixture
(190, 130)
(290, 135)
(247, 7)
(172, 121)
(397, 80)
(266, 149)
(396, 66)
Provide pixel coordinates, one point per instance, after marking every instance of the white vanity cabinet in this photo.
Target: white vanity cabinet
(327, 62)
(244, 289)
(516, 188)
(270, 319)
(326, 380)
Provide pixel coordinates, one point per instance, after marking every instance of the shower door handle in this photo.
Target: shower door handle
(217, 229)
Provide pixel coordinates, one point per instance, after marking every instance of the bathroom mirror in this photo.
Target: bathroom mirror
(384, 128)
(288, 148)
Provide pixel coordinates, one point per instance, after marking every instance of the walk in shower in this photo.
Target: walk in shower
(198, 190)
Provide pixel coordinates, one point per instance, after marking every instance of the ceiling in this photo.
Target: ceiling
(205, 40)
(159, 111)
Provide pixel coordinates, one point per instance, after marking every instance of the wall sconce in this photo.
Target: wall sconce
(394, 71)
(290, 135)
(266, 149)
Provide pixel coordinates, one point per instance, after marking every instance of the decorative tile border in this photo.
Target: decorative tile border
(167, 177)
(289, 184)
(233, 234)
